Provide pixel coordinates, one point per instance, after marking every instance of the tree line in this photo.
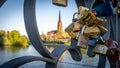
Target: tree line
(13, 38)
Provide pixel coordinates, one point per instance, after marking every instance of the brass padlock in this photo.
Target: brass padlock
(60, 2)
(70, 28)
(100, 49)
(118, 9)
(88, 18)
(81, 11)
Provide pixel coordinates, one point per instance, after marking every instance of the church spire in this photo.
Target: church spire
(59, 15)
(59, 27)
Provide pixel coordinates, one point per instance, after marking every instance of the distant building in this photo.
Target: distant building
(59, 34)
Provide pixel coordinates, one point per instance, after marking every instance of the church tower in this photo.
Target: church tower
(59, 26)
(59, 34)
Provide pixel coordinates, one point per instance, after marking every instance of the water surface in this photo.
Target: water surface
(7, 53)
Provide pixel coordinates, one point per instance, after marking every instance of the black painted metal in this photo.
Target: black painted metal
(51, 59)
(97, 2)
(119, 31)
(50, 65)
(14, 63)
(33, 34)
(31, 28)
(57, 52)
(2, 2)
(90, 3)
(102, 61)
(80, 2)
(73, 44)
(114, 28)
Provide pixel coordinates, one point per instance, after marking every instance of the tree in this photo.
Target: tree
(23, 40)
(1, 40)
(2, 33)
(13, 36)
(43, 37)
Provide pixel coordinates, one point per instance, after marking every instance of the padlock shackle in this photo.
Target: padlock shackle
(74, 15)
(74, 19)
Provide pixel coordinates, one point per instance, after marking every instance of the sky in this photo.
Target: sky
(11, 15)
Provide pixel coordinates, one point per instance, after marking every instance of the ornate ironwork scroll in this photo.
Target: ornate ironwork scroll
(52, 58)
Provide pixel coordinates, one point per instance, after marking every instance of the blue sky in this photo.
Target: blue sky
(11, 15)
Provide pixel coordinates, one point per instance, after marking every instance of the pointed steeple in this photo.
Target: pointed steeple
(59, 15)
(59, 27)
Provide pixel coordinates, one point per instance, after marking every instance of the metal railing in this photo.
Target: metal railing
(52, 58)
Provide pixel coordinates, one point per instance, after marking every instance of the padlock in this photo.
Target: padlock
(118, 8)
(70, 28)
(60, 2)
(100, 49)
(88, 18)
(81, 11)
(82, 39)
(70, 31)
(91, 31)
(76, 24)
(74, 17)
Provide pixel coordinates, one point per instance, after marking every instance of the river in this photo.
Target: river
(7, 53)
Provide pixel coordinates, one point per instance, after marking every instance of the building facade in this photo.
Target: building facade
(59, 34)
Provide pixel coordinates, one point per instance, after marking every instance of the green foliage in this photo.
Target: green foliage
(1, 40)
(6, 41)
(43, 37)
(13, 38)
(2, 33)
(23, 40)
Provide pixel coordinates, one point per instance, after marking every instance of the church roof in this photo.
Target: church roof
(52, 31)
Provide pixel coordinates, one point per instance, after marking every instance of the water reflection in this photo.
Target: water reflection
(11, 48)
(7, 53)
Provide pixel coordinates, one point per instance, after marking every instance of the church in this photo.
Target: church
(59, 34)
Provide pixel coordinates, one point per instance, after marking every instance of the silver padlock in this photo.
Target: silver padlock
(75, 17)
(60, 2)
